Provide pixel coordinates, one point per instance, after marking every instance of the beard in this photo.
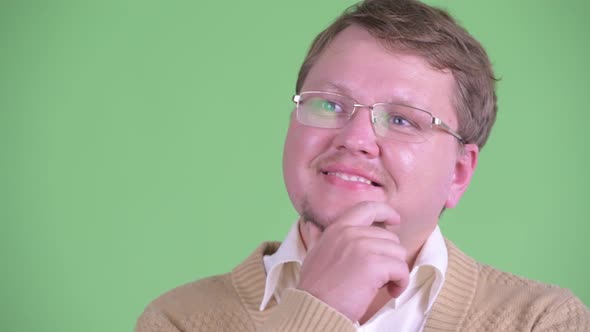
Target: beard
(308, 214)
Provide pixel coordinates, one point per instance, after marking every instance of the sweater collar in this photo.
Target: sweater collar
(447, 313)
(291, 251)
(248, 280)
(431, 261)
(455, 298)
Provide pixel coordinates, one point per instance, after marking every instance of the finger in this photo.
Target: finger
(382, 247)
(394, 274)
(368, 212)
(394, 289)
(351, 233)
(399, 278)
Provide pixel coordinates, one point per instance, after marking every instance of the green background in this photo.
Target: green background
(141, 144)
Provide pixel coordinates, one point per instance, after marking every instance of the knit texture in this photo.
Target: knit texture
(475, 297)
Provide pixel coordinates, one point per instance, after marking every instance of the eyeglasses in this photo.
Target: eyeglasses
(392, 121)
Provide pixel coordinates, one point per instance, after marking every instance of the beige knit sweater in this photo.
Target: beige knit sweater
(475, 297)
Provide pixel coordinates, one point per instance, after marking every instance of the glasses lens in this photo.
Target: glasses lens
(324, 110)
(402, 123)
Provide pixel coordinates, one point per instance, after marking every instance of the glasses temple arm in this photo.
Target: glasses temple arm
(439, 123)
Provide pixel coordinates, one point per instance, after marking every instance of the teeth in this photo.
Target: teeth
(351, 178)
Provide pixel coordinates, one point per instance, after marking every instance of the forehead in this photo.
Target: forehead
(362, 67)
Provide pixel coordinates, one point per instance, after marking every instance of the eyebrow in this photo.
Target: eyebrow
(344, 90)
(339, 88)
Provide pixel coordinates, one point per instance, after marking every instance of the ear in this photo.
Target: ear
(464, 168)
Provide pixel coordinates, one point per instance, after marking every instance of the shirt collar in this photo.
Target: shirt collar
(433, 254)
(291, 250)
(431, 262)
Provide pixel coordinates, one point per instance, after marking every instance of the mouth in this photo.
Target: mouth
(380, 224)
(352, 178)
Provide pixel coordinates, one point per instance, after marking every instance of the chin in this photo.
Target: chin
(322, 215)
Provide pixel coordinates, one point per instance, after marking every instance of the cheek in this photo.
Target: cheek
(290, 157)
(407, 159)
(302, 145)
(400, 161)
(290, 153)
(418, 170)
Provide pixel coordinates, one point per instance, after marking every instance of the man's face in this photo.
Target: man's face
(416, 179)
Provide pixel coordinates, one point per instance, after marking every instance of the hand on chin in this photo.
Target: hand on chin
(351, 259)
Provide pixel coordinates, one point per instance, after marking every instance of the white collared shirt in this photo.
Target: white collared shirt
(408, 312)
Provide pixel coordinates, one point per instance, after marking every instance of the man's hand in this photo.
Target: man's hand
(352, 259)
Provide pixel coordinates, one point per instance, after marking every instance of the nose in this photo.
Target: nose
(358, 136)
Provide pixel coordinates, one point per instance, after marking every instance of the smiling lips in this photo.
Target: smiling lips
(346, 176)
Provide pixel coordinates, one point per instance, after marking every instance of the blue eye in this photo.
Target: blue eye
(399, 121)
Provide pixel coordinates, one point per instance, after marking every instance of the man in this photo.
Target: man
(393, 104)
